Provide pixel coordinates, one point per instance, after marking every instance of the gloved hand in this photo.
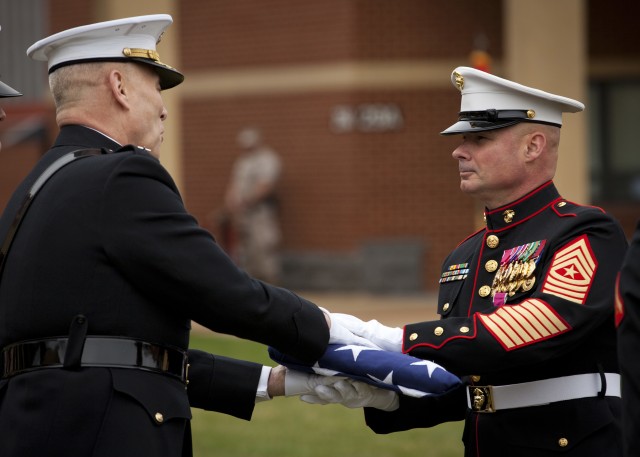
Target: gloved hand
(339, 334)
(298, 383)
(353, 394)
(387, 338)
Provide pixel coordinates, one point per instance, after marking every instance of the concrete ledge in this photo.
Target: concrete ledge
(379, 266)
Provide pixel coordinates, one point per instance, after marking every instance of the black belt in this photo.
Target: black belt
(111, 352)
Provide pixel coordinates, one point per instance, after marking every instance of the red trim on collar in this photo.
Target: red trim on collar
(525, 197)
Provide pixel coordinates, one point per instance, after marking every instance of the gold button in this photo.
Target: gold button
(413, 337)
(563, 442)
(493, 241)
(531, 114)
(464, 329)
(475, 378)
(438, 331)
(484, 291)
(159, 418)
(445, 307)
(561, 204)
(491, 266)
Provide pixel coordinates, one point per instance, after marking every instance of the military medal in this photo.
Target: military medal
(515, 272)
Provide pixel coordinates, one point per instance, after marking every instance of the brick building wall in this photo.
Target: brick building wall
(341, 191)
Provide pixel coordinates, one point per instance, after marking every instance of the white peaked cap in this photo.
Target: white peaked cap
(128, 39)
(489, 102)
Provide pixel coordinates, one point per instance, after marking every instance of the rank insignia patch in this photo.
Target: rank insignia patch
(516, 271)
(455, 272)
(572, 271)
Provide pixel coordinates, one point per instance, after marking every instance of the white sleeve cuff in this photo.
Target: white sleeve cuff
(263, 383)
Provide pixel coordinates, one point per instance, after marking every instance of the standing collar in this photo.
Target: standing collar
(81, 136)
(516, 212)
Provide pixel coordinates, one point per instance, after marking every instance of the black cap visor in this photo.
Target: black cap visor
(491, 119)
(8, 91)
(477, 126)
(169, 76)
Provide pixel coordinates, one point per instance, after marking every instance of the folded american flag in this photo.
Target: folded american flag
(389, 370)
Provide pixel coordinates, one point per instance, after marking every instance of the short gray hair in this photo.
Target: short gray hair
(68, 84)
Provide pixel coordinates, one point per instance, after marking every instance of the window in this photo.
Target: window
(23, 23)
(615, 154)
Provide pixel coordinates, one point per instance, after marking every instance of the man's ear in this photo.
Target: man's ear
(536, 142)
(118, 86)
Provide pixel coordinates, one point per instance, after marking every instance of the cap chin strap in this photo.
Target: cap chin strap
(494, 115)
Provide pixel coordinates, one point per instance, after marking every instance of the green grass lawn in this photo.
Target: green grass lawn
(287, 427)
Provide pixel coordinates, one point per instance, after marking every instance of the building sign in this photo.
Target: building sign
(367, 117)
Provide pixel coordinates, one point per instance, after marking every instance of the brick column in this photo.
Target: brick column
(169, 49)
(546, 47)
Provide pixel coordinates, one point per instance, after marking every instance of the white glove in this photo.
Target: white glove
(297, 382)
(387, 338)
(338, 334)
(353, 394)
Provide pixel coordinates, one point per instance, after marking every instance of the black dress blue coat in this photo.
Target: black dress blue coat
(489, 338)
(628, 307)
(108, 237)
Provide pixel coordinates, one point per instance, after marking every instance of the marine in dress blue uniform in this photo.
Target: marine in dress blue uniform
(526, 305)
(628, 320)
(102, 280)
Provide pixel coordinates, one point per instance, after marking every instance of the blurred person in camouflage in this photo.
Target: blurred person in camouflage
(252, 206)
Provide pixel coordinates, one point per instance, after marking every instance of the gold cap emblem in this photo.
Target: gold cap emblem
(459, 80)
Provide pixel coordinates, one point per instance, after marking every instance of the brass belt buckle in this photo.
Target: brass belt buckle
(481, 399)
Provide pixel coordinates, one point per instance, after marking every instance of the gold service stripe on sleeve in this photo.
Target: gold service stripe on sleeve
(518, 325)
